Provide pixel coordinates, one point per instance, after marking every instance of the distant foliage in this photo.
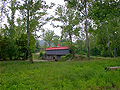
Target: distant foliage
(41, 53)
(95, 51)
(15, 49)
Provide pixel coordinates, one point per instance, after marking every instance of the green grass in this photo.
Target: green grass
(72, 75)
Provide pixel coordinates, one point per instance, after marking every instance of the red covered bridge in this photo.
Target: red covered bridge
(56, 51)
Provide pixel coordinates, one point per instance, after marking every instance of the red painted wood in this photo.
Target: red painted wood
(57, 48)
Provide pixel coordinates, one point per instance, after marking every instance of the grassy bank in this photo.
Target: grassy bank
(72, 75)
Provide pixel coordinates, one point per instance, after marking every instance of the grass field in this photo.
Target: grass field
(72, 75)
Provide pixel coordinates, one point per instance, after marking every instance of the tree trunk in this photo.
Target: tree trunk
(72, 49)
(87, 41)
(108, 43)
(104, 51)
(25, 55)
(70, 38)
(109, 47)
(119, 48)
(114, 49)
(19, 54)
(28, 33)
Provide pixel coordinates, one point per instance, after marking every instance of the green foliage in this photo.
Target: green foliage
(72, 75)
(41, 54)
(21, 43)
(56, 41)
(48, 36)
(8, 49)
(95, 52)
(106, 19)
(71, 3)
(15, 49)
(80, 47)
(70, 19)
(66, 57)
(37, 46)
(82, 53)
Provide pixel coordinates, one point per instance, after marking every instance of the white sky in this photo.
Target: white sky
(51, 12)
(57, 31)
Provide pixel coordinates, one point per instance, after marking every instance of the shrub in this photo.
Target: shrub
(63, 57)
(83, 57)
(66, 57)
(69, 55)
(82, 53)
(41, 53)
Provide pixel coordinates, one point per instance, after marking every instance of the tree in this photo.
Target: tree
(0, 44)
(107, 23)
(21, 43)
(1, 14)
(34, 10)
(69, 18)
(37, 46)
(8, 48)
(70, 28)
(82, 7)
(80, 47)
(45, 46)
(9, 29)
(56, 40)
(48, 36)
(30, 20)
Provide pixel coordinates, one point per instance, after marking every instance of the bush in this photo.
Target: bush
(69, 55)
(8, 49)
(41, 53)
(95, 51)
(83, 57)
(82, 53)
(63, 57)
(66, 57)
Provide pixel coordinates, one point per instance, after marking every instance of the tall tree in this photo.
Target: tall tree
(48, 36)
(70, 23)
(82, 7)
(8, 29)
(106, 17)
(11, 7)
(56, 40)
(34, 10)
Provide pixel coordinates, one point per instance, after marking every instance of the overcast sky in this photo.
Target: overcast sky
(51, 11)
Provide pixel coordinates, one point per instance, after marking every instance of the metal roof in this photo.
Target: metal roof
(57, 48)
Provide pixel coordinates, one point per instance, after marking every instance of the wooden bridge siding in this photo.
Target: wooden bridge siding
(57, 52)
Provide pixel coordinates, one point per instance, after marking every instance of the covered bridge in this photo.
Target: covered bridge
(56, 52)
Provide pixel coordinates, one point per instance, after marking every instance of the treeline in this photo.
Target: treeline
(97, 49)
(18, 35)
(15, 49)
(88, 27)
(94, 25)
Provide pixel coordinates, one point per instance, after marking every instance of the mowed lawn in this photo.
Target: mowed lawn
(69, 75)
